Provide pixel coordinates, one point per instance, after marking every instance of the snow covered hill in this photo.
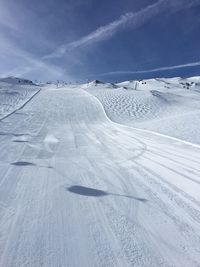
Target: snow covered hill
(14, 93)
(16, 80)
(167, 106)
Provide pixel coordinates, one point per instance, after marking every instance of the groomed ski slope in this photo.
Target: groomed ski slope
(79, 190)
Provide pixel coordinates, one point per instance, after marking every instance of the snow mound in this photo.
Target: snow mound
(99, 84)
(15, 80)
(96, 82)
(184, 83)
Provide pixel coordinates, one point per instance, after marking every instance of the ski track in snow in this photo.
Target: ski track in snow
(13, 97)
(79, 190)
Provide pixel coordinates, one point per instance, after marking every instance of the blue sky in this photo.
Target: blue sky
(115, 40)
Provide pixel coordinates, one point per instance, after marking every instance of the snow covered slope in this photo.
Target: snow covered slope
(16, 80)
(79, 190)
(167, 106)
(14, 92)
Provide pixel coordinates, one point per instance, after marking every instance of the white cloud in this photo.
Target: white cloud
(7, 19)
(192, 64)
(107, 31)
(133, 20)
(28, 63)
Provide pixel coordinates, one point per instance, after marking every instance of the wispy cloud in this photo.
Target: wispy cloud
(6, 18)
(187, 65)
(133, 20)
(10, 28)
(109, 30)
(28, 63)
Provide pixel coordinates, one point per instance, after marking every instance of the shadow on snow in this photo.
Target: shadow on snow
(27, 163)
(23, 163)
(91, 192)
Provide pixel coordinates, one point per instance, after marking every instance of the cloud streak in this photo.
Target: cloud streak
(175, 67)
(6, 18)
(29, 63)
(133, 20)
(10, 28)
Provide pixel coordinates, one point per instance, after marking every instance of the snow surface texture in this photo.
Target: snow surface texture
(79, 190)
(14, 93)
(167, 106)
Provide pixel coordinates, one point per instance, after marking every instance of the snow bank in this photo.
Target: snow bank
(14, 93)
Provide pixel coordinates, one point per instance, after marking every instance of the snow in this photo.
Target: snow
(14, 93)
(165, 106)
(15, 80)
(77, 189)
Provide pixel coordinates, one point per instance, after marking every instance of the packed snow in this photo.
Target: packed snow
(77, 189)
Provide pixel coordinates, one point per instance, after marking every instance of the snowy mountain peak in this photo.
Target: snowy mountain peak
(16, 80)
(96, 82)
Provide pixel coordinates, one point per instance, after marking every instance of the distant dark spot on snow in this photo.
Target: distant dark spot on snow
(21, 134)
(91, 192)
(86, 191)
(23, 163)
(20, 141)
(13, 134)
